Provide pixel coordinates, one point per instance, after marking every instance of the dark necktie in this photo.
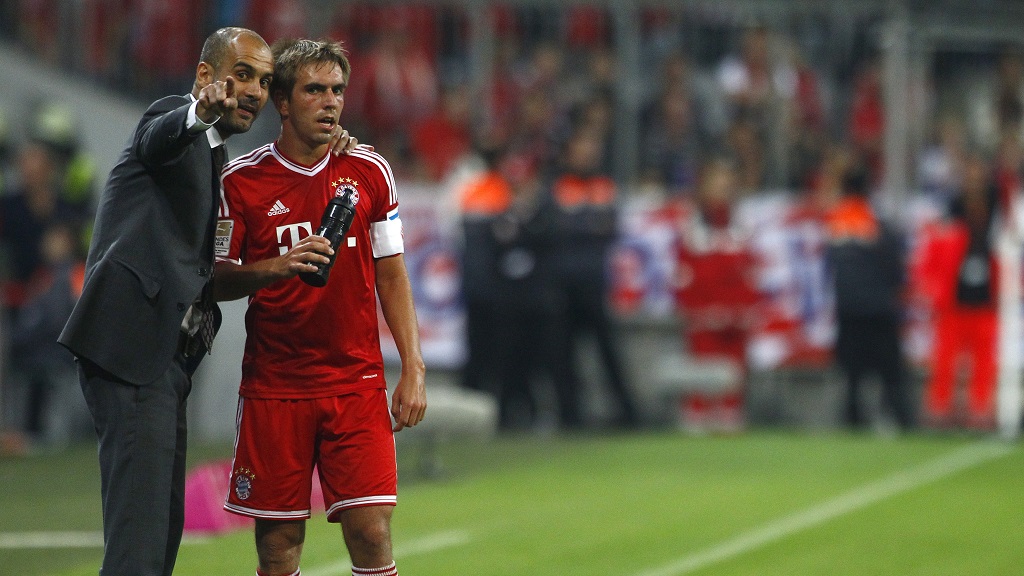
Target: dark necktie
(207, 330)
(219, 155)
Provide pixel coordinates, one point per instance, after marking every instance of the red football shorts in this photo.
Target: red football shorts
(278, 442)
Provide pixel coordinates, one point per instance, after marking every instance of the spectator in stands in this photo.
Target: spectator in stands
(804, 136)
(824, 183)
(439, 140)
(533, 138)
(749, 77)
(597, 77)
(960, 275)
(866, 122)
(760, 88)
(997, 107)
(585, 229)
(276, 19)
(159, 66)
(746, 151)
(671, 146)
(715, 292)
(105, 29)
(596, 115)
(397, 84)
(867, 267)
(38, 25)
(941, 162)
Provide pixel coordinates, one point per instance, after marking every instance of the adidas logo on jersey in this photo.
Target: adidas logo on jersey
(278, 209)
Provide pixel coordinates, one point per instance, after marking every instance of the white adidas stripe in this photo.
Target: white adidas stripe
(385, 169)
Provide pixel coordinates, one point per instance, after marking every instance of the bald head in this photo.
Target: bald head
(218, 46)
(238, 65)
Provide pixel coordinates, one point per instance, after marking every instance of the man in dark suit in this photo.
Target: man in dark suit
(144, 319)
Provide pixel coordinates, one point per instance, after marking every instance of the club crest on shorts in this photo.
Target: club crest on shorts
(344, 186)
(243, 483)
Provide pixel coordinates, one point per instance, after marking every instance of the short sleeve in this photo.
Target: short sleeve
(230, 224)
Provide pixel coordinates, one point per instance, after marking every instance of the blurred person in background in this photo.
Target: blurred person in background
(715, 292)
(146, 316)
(866, 259)
(941, 161)
(586, 227)
(439, 140)
(959, 274)
(865, 125)
(326, 407)
(762, 89)
(158, 66)
(525, 299)
(671, 144)
(398, 83)
(54, 126)
(996, 106)
(36, 201)
(54, 411)
(277, 18)
(746, 150)
(805, 131)
(481, 200)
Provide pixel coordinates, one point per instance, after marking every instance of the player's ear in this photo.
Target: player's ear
(280, 102)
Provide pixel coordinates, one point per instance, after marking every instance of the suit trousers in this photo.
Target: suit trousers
(142, 435)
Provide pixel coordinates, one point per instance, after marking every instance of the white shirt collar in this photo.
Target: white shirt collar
(211, 134)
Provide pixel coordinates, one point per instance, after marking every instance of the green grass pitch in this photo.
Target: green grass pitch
(658, 504)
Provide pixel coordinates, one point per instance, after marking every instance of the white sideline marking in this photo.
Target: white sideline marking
(424, 545)
(24, 540)
(19, 540)
(851, 501)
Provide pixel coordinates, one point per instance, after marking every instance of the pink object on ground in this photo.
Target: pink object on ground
(206, 486)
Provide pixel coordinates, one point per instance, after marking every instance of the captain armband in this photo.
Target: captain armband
(386, 237)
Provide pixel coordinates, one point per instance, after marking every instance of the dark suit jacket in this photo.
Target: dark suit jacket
(152, 248)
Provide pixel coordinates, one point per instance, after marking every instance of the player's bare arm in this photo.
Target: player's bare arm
(409, 400)
(234, 281)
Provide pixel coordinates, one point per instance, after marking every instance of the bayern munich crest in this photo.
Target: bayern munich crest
(346, 185)
(243, 483)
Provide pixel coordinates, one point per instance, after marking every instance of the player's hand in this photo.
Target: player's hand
(342, 142)
(409, 402)
(305, 256)
(216, 99)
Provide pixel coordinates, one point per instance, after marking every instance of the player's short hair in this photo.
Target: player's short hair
(217, 45)
(292, 54)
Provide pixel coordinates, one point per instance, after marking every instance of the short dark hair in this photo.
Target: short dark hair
(292, 54)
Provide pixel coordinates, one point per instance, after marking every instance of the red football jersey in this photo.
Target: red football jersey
(301, 341)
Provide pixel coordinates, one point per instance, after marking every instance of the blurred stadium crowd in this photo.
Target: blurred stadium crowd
(738, 125)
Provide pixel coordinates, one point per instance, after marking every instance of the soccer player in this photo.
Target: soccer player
(313, 389)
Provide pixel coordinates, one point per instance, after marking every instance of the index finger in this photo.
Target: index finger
(229, 86)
